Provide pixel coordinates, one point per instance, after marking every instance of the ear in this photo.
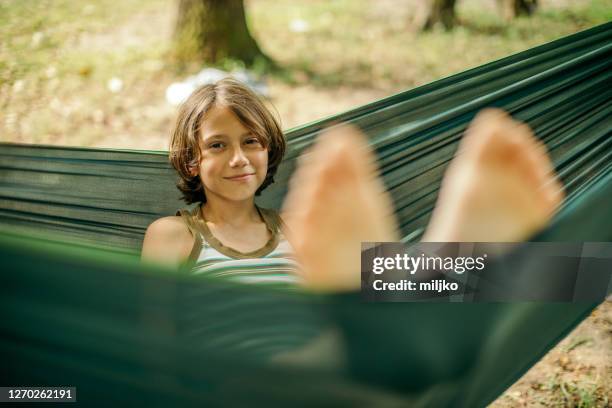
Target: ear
(193, 166)
(194, 170)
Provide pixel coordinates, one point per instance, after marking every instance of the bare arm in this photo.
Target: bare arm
(167, 241)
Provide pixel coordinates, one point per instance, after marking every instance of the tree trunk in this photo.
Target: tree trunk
(440, 11)
(515, 8)
(210, 31)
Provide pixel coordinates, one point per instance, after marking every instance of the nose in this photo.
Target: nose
(239, 159)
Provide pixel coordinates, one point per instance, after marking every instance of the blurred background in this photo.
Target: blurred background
(106, 73)
(98, 73)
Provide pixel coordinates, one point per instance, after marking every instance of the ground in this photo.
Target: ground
(575, 373)
(94, 73)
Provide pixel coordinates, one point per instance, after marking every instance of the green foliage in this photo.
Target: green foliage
(57, 56)
(44, 33)
(357, 44)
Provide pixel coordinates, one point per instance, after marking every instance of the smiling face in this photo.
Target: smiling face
(233, 161)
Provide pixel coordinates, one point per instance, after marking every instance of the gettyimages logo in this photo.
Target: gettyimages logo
(412, 264)
(486, 272)
(422, 263)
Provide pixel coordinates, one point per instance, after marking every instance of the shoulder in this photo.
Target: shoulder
(167, 240)
(277, 220)
(168, 227)
(272, 217)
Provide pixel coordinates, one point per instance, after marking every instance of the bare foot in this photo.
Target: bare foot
(335, 202)
(501, 186)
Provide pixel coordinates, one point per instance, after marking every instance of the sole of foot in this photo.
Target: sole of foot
(336, 201)
(500, 187)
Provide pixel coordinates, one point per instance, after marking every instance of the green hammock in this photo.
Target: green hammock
(79, 310)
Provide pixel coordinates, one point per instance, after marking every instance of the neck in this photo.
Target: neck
(220, 211)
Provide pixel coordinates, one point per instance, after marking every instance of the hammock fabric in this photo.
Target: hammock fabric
(121, 332)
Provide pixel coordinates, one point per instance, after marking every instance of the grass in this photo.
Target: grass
(383, 50)
(59, 56)
(41, 32)
(576, 394)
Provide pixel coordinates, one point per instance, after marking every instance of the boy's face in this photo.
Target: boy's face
(233, 163)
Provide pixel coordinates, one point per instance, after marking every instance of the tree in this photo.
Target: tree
(443, 12)
(515, 8)
(440, 11)
(211, 31)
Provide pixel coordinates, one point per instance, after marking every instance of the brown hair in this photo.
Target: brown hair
(252, 113)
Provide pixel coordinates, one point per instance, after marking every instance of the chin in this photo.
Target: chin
(236, 192)
(242, 198)
(240, 195)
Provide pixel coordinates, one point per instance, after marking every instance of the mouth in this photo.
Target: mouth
(240, 177)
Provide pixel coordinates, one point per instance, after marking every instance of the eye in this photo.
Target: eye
(253, 141)
(216, 145)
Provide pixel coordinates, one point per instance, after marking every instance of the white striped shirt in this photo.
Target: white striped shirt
(273, 264)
